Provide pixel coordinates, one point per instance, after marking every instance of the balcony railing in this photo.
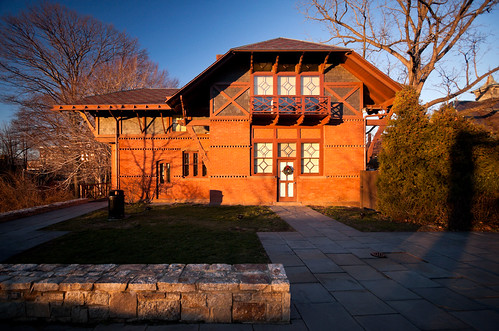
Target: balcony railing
(292, 105)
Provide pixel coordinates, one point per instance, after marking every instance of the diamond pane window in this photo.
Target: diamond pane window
(264, 85)
(310, 158)
(310, 85)
(263, 158)
(287, 150)
(286, 85)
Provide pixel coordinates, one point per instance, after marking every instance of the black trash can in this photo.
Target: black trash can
(116, 206)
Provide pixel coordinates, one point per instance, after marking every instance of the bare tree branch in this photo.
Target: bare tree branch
(418, 33)
(52, 55)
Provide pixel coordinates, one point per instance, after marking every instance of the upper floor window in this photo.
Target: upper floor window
(310, 85)
(264, 85)
(286, 85)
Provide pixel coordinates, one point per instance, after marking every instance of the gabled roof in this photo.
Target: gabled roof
(272, 45)
(139, 96)
(285, 44)
(381, 87)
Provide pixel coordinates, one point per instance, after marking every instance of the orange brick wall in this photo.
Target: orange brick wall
(229, 149)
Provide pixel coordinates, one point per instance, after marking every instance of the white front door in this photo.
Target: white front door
(287, 184)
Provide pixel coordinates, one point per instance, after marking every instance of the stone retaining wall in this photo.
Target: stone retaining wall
(212, 293)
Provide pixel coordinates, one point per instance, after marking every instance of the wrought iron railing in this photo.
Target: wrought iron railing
(95, 191)
(287, 104)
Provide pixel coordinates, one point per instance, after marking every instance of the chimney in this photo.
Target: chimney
(219, 56)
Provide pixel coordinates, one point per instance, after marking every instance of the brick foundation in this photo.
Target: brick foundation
(211, 293)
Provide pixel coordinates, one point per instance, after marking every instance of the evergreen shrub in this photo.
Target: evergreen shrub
(441, 171)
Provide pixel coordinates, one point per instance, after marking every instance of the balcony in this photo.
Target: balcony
(299, 108)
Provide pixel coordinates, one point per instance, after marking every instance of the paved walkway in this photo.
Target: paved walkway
(24, 233)
(429, 280)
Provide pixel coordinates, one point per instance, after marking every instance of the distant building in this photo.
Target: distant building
(275, 121)
(489, 90)
(483, 111)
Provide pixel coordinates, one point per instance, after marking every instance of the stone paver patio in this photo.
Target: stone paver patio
(428, 281)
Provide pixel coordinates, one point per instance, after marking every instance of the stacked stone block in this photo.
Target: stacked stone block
(211, 293)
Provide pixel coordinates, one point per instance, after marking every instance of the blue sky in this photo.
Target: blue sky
(184, 36)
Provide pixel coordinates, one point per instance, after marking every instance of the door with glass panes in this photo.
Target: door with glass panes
(287, 181)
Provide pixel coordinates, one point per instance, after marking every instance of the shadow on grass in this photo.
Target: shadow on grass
(161, 234)
(366, 220)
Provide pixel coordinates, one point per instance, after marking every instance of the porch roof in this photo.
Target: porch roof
(145, 98)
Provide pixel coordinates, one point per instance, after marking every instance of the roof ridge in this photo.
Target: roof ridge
(282, 43)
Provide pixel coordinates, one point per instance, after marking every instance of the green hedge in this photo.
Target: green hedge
(440, 170)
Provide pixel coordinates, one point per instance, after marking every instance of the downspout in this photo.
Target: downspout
(117, 154)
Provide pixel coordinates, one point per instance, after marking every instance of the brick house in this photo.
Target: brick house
(279, 120)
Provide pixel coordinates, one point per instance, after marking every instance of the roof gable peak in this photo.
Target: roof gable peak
(286, 44)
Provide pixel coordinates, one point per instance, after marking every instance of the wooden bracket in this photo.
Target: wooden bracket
(274, 67)
(163, 122)
(84, 116)
(322, 66)
(184, 113)
(251, 64)
(142, 129)
(298, 66)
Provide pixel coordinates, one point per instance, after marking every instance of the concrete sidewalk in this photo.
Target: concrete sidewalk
(23, 233)
(428, 281)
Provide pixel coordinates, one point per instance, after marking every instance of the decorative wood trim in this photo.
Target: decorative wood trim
(322, 66)
(163, 123)
(274, 67)
(183, 108)
(298, 66)
(251, 64)
(354, 88)
(85, 118)
(111, 107)
(244, 87)
(140, 123)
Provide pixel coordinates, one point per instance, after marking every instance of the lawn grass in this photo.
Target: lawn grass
(366, 220)
(161, 234)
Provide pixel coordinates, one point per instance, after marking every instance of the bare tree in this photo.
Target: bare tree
(14, 149)
(52, 55)
(417, 33)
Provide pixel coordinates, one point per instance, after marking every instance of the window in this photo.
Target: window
(310, 158)
(264, 85)
(204, 171)
(286, 85)
(195, 164)
(310, 85)
(176, 125)
(287, 149)
(164, 172)
(263, 158)
(191, 165)
(185, 164)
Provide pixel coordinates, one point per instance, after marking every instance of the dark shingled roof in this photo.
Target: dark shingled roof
(285, 44)
(483, 113)
(131, 97)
